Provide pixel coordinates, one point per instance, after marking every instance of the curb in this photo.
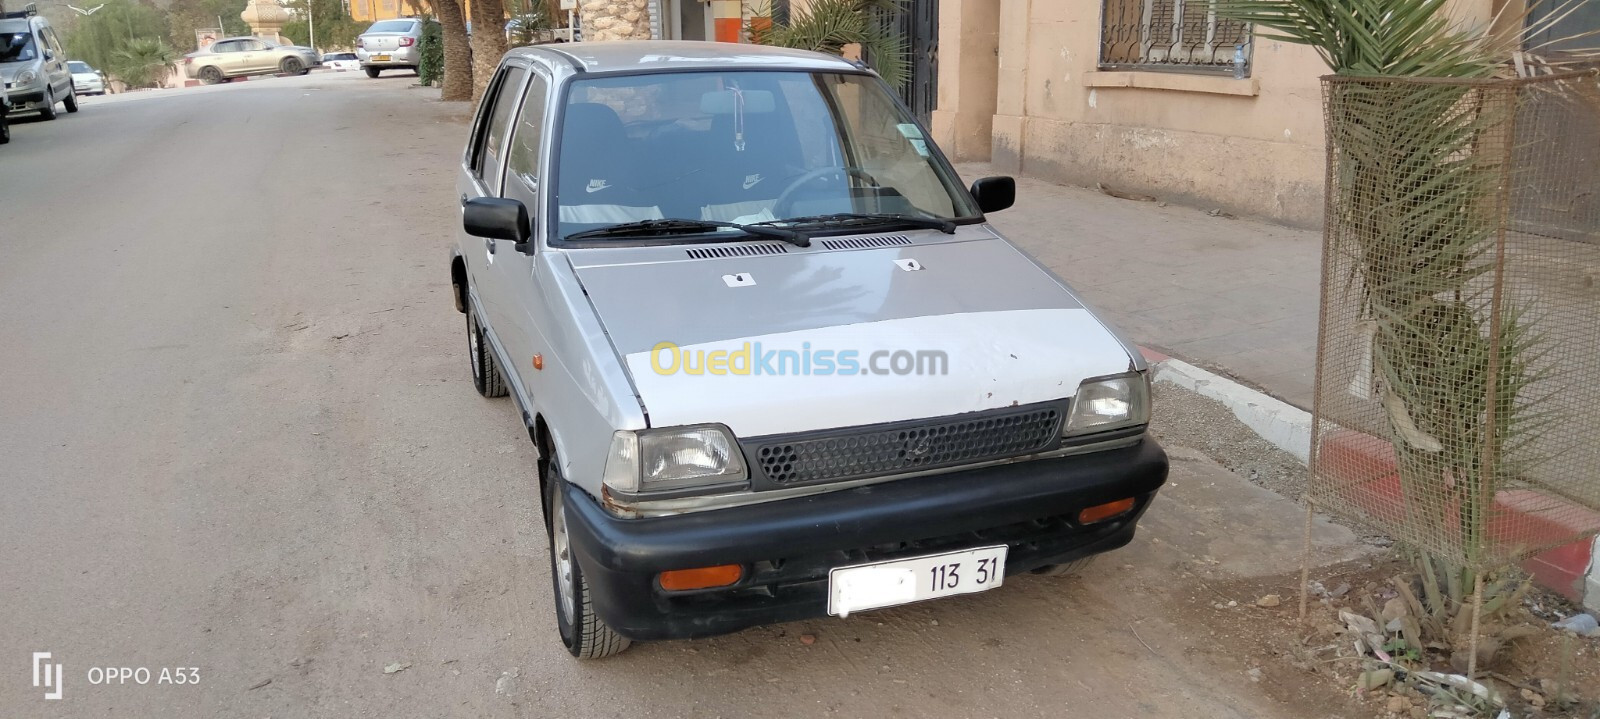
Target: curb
(1570, 570)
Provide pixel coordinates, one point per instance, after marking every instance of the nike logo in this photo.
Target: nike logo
(751, 181)
(596, 186)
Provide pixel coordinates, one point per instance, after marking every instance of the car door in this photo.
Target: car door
(253, 56)
(481, 174)
(224, 56)
(56, 67)
(513, 273)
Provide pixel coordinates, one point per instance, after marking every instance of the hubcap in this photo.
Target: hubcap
(562, 547)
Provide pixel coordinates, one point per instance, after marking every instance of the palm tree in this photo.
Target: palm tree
(140, 59)
(488, 42)
(1418, 145)
(456, 83)
(830, 25)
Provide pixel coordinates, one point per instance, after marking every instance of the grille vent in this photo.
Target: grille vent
(862, 243)
(704, 253)
(869, 451)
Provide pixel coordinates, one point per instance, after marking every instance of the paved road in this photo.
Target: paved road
(237, 433)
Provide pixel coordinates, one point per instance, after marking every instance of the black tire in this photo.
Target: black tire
(291, 66)
(1070, 569)
(583, 633)
(5, 129)
(49, 111)
(72, 101)
(210, 75)
(486, 376)
(372, 71)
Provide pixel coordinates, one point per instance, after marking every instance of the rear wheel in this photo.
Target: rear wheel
(5, 128)
(49, 111)
(210, 75)
(72, 100)
(583, 633)
(292, 66)
(486, 377)
(372, 71)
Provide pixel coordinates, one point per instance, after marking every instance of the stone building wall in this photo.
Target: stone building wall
(615, 19)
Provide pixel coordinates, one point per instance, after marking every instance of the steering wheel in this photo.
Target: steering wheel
(781, 206)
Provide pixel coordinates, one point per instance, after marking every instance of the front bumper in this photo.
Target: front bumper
(788, 546)
(26, 100)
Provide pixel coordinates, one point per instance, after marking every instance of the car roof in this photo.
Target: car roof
(636, 55)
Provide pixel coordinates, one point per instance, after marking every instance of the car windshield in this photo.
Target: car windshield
(79, 67)
(391, 26)
(744, 147)
(16, 46)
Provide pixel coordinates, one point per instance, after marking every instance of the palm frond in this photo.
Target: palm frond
(831, 25)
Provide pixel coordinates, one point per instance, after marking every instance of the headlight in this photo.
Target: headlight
(1110, 403)
(673, 458)
(26, 77)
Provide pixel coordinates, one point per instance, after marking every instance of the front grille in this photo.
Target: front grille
(875, 450)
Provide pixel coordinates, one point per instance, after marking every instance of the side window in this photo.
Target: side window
(55, 42)
(490, 157)
(252, 45)
(228, 46)
(524, 163)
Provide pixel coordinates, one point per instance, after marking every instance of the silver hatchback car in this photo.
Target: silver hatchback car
(681, 260)
(390, 45)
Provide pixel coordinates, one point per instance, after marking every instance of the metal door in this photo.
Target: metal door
(918, 22)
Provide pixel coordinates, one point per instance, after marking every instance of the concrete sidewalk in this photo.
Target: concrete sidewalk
(1234, 295)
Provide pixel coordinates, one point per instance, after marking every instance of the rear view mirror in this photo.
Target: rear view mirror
(994, 193)
(496, 218)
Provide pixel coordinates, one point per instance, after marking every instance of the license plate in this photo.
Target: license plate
(903, 581)
(380, 58)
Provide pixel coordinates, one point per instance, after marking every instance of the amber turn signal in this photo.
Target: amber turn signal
(1102, 512)
(679, 580)
(538, 361)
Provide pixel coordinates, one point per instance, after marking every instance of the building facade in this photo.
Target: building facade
(1157, 97)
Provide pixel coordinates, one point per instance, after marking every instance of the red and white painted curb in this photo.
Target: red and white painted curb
(1571, 570)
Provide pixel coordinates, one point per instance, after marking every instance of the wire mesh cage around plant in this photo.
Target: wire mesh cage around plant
(1457, 403)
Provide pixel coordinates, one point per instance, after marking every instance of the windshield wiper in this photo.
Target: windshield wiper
(670, 226)
(856, 219)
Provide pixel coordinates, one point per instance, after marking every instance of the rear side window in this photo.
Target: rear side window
(392, 26)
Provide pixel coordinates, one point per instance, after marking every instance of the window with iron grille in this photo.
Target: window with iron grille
(1177, 35)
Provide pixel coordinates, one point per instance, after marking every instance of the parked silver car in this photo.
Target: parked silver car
(390, 45)
(682, 260)
(233, 57)
(85, 79)
(33, 65)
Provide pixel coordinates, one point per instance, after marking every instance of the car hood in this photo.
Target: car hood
(822, 338)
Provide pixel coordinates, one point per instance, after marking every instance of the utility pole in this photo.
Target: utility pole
(311, 21)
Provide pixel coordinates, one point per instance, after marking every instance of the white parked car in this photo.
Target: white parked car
(85, 79)
(341, 61)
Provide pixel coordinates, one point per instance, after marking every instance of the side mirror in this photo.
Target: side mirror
(497, 219)
(49, 54)
(994, 193)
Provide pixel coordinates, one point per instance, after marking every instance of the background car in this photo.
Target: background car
(241, 56)
(390, 45)
(341, 61)
(33, 65)
(85, 79)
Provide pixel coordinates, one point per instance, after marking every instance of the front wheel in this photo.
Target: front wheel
(1070, 569)
(291, 66)
(72, 101)
(583, 632)
(372, 71)
(5, 129)
(49, 111)
(486, 376)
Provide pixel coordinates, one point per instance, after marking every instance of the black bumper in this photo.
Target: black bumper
(788, 546)
(18, 99)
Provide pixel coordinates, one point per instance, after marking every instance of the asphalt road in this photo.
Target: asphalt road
(237, 433)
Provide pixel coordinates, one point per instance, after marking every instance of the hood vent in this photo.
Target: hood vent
(706, 253)
(863, 243)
